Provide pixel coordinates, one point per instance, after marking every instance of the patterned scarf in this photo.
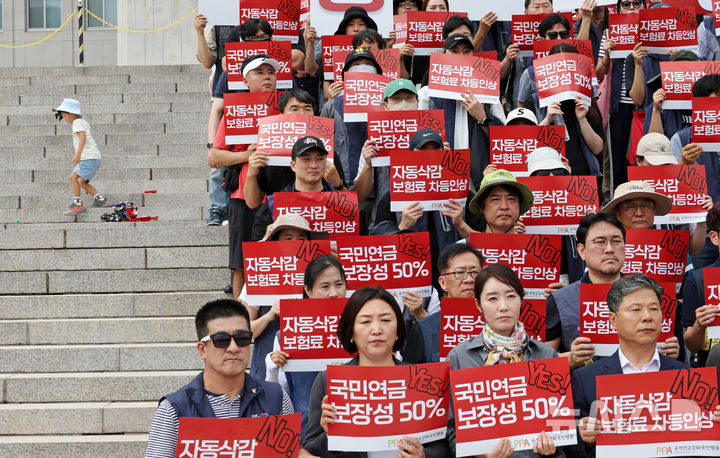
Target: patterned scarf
(505, 349)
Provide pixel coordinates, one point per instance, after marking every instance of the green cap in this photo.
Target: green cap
(502, 177)
(399, 85)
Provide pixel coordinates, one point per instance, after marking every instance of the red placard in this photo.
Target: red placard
(243, 111)
(716, 15)
(678, 79)
(363, 93)
(399, 262)
(277, 135)
(422, 29)
(235, 53)
(541, 48)
(391, 130)
(308, 333)
(525, 30)
(658, 413)
(330, 45)
(275, 270)
(684, 184)
(534, 258)
(663, 29)
(595, 317)
(706, 123)
(559, 203)
(430, 178)
(275, 436)
(333, 212)
(712, 296)
(460, 320)
(492, 55)
(533, 316)
(283, 16)
(389, 60)
(623, 31)
(517, 401)
(452, 76)
(377, 406)
(510, 145)
(658, 253)
(564, 76)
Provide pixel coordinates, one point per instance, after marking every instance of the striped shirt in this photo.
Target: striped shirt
(164, 428)
(624, 98)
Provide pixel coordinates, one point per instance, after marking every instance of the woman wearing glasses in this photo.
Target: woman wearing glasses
(499, 295)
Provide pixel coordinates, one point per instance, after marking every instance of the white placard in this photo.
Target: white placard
(326, 15)
(220, 12)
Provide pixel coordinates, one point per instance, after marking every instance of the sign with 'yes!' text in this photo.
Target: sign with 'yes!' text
(377, 406)
(517, 401)
(333, 212)
(452, 76)
(510, 145)
(277, 135)
(391, 130)
(269, 436)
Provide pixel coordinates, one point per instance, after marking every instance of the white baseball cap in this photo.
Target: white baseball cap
(258, 61)
(544, 158)
(521, 113)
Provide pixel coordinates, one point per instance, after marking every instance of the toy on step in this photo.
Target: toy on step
(125, 211)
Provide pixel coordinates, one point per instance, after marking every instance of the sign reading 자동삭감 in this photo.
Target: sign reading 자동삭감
(665, 29)
(282, 15)
(330, 45)
(452, 76)
(243, 111)
(711, 277)
(510, 145)
(623, 31)
(422, 30)
(678, 78)
(706, 123)
(336, 213)
(659, 253)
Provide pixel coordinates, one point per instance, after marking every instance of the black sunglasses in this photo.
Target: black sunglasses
(555, 172)
(222, 339)
(636, 4)
(555, 35)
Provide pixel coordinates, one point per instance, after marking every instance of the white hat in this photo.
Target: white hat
(639, 189)
(258, 61)
(69, 106)
(544, 158)
(294, 221)
(656, 149)
(523, 113)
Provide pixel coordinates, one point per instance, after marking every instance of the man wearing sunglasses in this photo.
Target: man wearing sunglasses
(223, 389)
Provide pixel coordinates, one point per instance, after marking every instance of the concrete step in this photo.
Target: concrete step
(68, 89)
(92, 109)
(59, 80)
(199, 97)
(84, 446)
(17, 163)
(26, 120)
(92, 386)
(16, 81)
(163, 172)
(53, 100)
(194, 139)
(98, 358)
(92, 214)
(9, 201)
(76, 418)
(170, 118)
(107, 305)
(193, 199)
(151, 280)
(162, 70)
(127, 152)
(107, 186)
(155, 88)
(30, 130)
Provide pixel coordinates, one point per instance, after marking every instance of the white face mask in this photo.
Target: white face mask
(362, 68)
(404, 105)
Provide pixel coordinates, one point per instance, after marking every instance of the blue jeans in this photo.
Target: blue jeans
(217, 195)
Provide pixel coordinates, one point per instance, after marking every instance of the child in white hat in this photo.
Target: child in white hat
(86, 158)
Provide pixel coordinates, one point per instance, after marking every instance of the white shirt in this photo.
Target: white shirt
(90, 150)
(629, 368)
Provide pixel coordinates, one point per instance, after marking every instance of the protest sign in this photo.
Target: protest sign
(220, 12)
(333, 212)
(268, 436)
(376, 406)
(533, 314)
(664, 29)
(525, 30)
(328, 14)
(684, 184)
(235, 53)
(559, 203)
(706, 123)
(571, 5)
(330, 45)
(308, 333)
(657, 414)
(476, 10)
(452, 76)
(460, 320)
(243, 111)
(712, 297)
(518, 401)
(275, 270)
(623, 31)
(541, 48)
(364, 92)
(399, 262)
(534, 258)
(282, 15)
(430, 178)
(678, 78)
(391, 130)
(277, 135)
(422, 30)
(564, 76)
(595, 317)
(510, 145)
(658, 253)
(388, 59)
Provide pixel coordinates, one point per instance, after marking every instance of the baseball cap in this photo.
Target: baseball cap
(454, 39)
(399, 85)
(254, 62)
(424, 136)
(521, 113)
(69, 106)
(308, 143)
(361, 53)
(656, 149)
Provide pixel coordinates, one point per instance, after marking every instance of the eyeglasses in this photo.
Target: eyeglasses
(601, 242)
(645, 207)
(407, 4)
(462, 274)
(222, 339)
(555, 35)
(635, 4)
(554, 172)
(259, 38)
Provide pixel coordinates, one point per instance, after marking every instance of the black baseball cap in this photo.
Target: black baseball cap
(308, 143)
(358, 54)
(423, 137)
(454, 39)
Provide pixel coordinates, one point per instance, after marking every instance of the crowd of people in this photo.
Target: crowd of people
(624, 125)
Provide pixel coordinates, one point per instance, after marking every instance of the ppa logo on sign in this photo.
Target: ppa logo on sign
(662, 451)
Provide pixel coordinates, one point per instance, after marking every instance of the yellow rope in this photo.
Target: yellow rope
(40, 41)
(141, 31)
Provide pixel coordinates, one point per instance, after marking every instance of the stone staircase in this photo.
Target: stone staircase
(96, 319)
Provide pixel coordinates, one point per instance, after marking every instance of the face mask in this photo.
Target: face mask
(362, 68)
(404, 105)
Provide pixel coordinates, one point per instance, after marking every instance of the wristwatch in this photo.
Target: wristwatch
(209, 145)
